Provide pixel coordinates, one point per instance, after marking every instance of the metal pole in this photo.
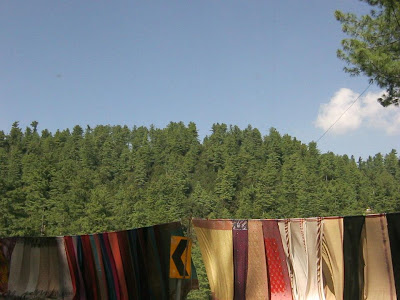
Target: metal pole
(178, 289)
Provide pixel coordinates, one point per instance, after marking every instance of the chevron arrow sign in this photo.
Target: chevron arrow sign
(180, 252)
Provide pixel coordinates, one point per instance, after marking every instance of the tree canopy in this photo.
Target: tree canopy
(373, 46)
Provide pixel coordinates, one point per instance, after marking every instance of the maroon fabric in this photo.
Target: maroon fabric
(89, 272)
(240, 254)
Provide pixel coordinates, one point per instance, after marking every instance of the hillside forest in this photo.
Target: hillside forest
(106, 178)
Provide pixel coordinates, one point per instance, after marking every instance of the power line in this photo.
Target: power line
(330, 127)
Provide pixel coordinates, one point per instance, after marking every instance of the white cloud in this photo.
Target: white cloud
(365, 112)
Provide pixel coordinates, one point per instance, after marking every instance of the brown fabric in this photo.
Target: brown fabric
(216, 246)
(332, 258)
(257, 276)
(378, 272)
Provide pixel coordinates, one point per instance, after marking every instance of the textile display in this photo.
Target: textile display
(257, 275)
(216, 245)
(353, 257)
(328, 258)
(131, 264)
(393, 222)
(303, 251)
(276, 251)
(240, 257)
(378, 272)
(332, 258)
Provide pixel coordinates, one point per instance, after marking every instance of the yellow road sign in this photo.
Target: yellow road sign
(180, 252)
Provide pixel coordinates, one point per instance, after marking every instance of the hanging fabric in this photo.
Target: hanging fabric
(278, 259)
(240, 257)
(393, 221)
(257, 275)
(132, 264)
(353, 257)
(332, 258)
(216, 245)
(378, 272)
(39, 269)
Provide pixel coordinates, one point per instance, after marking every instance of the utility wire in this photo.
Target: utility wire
(337, 120)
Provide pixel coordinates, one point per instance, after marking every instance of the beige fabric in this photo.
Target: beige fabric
(216, 245)
(257, 278)
(298, 255)
(284, 229)
(66, 289)
(43, 280)
(378, 272)
(301, 239)
(53, 271)
(33, 269)
(16, 266)
(332, 258)
(314, 261)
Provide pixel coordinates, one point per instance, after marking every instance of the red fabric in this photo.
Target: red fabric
(113, 238)
(279, 282)
(89, 265)
(69, 249)
(112, 263)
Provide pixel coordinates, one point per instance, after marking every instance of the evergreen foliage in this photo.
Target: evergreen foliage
(112, 177)
(373, 46)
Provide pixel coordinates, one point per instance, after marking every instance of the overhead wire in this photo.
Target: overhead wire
(350, 106)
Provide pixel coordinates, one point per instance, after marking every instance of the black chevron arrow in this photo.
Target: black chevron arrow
(177, 257)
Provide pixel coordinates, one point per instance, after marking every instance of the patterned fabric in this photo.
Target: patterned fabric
(132, 264)
(303, 252)
(378, 272)
(216, 245)
(277, 263)
(257, 276)
(240, 255)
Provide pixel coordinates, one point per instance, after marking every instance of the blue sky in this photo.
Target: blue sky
(263, 63)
